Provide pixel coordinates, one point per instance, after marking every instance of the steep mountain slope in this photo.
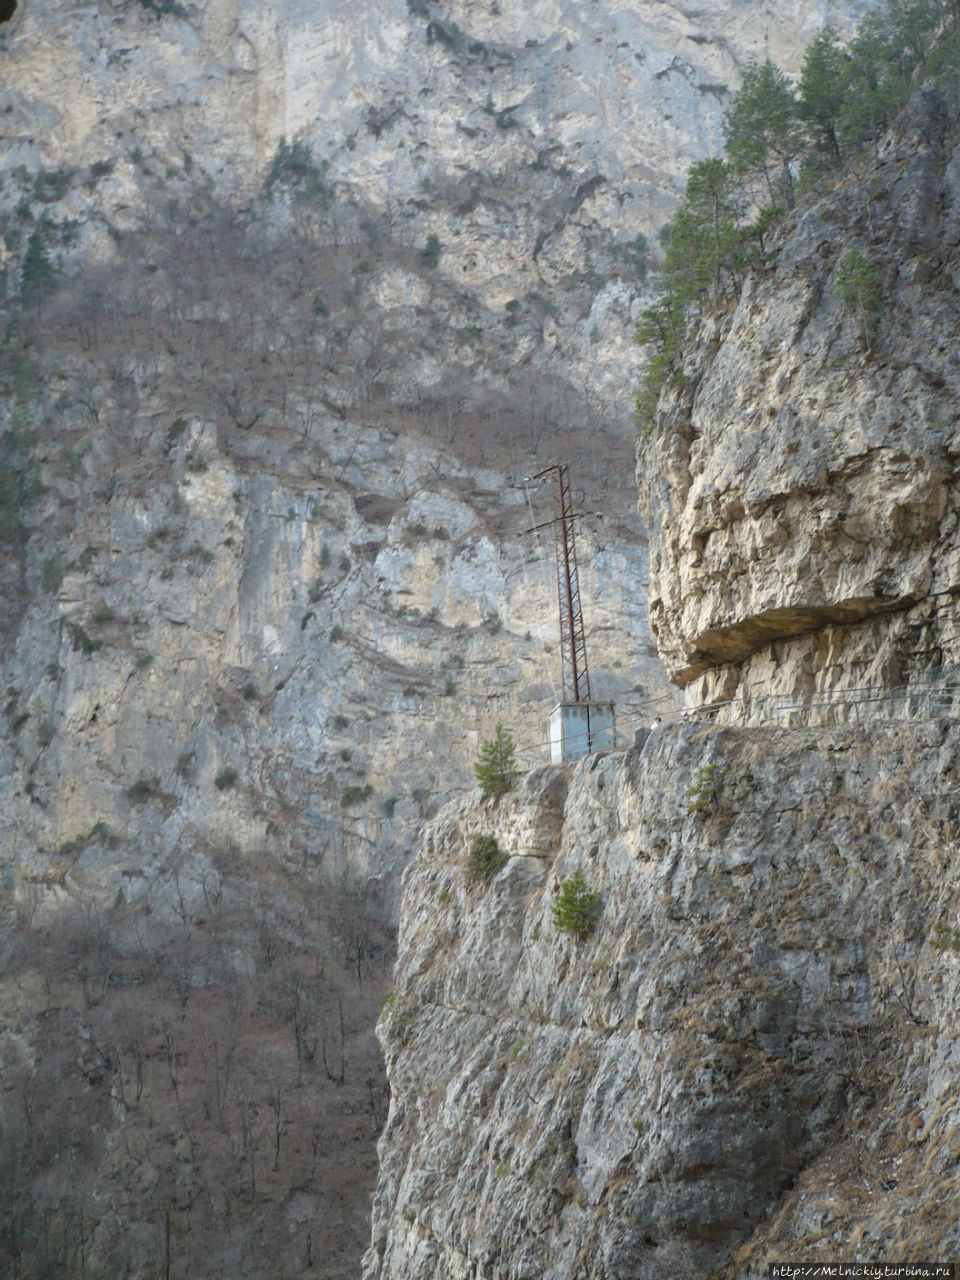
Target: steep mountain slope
(751, 1057)
(749, 1060)
(292, 296)
(253, 411)
(804, 480)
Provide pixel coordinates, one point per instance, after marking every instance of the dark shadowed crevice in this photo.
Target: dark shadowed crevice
(739, 640)
(7, 9)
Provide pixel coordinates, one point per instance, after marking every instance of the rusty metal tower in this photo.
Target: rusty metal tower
(575, 674)
(578, 725)
(573, 643)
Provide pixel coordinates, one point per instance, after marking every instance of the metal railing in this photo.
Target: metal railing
(934, 693)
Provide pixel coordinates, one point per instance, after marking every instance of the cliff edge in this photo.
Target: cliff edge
(751, 1057)
(802, 483)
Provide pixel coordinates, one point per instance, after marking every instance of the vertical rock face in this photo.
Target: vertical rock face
(760, 1008)
(296, 657)
(535, 141)
(395, 93)
(272, 515)
(291, 295)
(751, 1056)
(805, 479)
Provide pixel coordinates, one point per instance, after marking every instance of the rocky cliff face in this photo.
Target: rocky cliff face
(750, 1058)
(267, 441)
(535, 141)
(291, 296)
(803, 483)
(248, 657)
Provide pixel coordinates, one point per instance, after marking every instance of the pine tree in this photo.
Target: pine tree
(764, 133)
(876, 84)
(705, 234)
(706, 255)
(823, 88)
(36, 273)
(662, 327)
(913, 26)
(862, 293)
(484, 859)
(575, 910)
(495, 767)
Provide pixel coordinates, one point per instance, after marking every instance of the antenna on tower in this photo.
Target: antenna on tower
(578, 726)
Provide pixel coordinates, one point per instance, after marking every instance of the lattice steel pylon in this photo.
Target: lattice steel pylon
(573, 642)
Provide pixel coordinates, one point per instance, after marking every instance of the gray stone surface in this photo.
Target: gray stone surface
(805, 479)
(761, 996)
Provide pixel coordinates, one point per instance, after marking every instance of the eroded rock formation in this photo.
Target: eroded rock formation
(753, 1043)
(804, 479)
(752, 1056)
(291, 295)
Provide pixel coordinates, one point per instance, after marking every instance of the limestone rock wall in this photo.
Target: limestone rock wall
(751, 1057)
(263, 661)
(291, 296)
(804, 481)
(262, 420)
(372, 87)
(535, 140)
(752, 1052)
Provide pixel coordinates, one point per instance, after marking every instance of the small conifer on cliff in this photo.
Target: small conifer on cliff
(495, 767)
(484, 859)
(576, 906)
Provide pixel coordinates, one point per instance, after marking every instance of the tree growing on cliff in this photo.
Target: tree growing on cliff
(862, 293)
(823, 89)
(495, 766)
(430, 254)
(706, 235)
(576, 907)
(484, 859)
(661, 326)
(36, 273)
(702, 795)
(846, 98)
(764, 132)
